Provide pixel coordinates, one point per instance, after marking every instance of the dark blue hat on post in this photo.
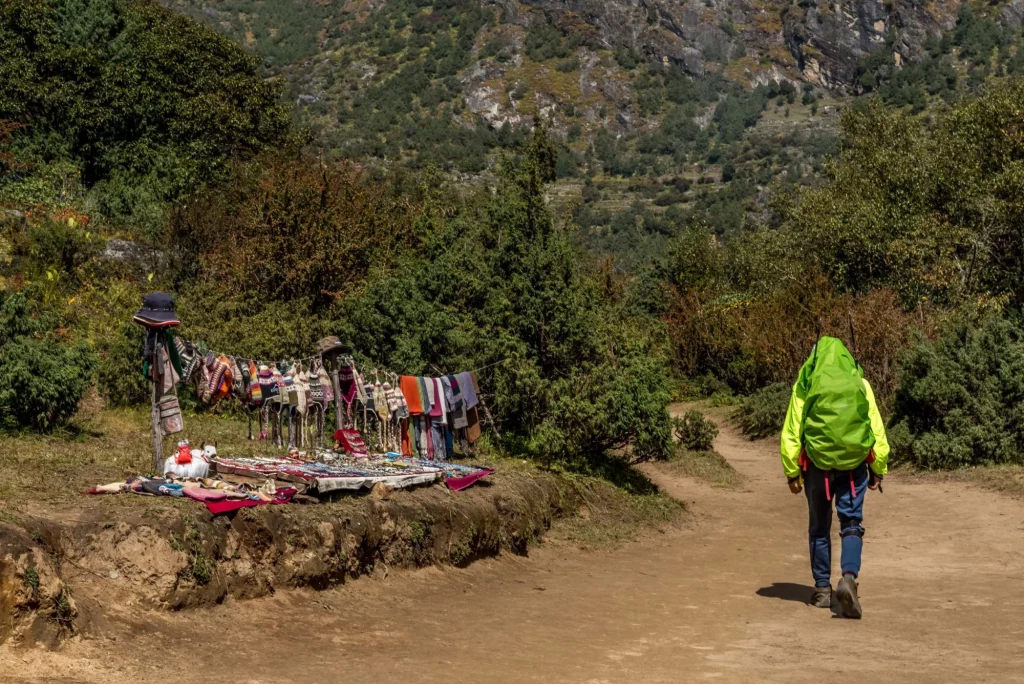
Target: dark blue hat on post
(157, 311)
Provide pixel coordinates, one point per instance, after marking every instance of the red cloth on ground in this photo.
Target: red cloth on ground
(282, 496)
(410, 387)
(457, 484)
(351, 441)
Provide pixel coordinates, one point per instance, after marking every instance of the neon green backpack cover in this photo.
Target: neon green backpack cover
(836, 426)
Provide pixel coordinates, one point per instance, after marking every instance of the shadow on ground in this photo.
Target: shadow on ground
(787, 591)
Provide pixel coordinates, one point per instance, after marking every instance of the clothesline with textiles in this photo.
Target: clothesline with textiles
(412, 415)
(408, 430)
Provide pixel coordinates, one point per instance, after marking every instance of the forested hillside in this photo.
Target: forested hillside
(662, 113)
(141, 150)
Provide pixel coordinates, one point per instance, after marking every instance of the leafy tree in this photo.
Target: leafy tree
(127, 86)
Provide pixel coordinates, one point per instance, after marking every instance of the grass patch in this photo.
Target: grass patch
(63, 611)
(201, 565)
(32, 579)
(723, 398)
(1005, 479)
(103, 445)
(611, 515)
(707, 466)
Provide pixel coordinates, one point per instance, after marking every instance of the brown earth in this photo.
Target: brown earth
(721, 599)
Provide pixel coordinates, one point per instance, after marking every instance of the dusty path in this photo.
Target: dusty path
(943, 594)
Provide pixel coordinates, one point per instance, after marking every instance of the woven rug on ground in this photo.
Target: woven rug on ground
(345, 472)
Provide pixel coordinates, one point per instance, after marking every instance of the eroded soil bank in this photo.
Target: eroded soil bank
(60, 567)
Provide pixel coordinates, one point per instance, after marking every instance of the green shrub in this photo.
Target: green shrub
(42, 381)
(723, 398)
(119, 369)
(42, 377)
(961, 398)
(763, 412)
(694, 431)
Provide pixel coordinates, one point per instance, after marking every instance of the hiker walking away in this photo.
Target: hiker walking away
(834, 446)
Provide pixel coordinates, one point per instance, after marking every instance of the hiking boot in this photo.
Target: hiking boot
(846, 595)
(822, 597)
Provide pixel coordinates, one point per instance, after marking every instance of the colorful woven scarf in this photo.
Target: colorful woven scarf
(347, 383)
(255, 391)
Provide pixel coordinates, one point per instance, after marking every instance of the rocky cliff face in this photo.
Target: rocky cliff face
(828, 40)
(821, 42)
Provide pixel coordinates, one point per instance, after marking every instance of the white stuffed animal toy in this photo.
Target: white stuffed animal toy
(199, 465)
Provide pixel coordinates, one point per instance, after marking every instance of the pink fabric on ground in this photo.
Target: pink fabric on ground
(204, 495)
(457, 484)
(282, 496)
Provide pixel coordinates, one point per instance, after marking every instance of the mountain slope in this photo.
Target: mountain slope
(702, 104)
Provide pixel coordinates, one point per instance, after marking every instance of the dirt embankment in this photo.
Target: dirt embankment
(59, 568)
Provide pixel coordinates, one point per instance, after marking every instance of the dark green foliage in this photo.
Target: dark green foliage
(544, 42)
(763, 412)
(43, 381)
(914, 200)
(728, 171)
(973, 44)
(486, 281)
(65, 250)
(961, 398)
(127, 87)
(575, 377)
(42, 378)
(694, 431)
(627, 58)
(119, 369)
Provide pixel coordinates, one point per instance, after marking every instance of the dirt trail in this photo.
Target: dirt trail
(722, 599)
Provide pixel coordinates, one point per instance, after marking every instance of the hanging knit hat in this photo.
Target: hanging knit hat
(302, 389)
(189, 357)
(316, 389)
(268, 387)
(289, 383)
(282, 388)
(380, 402)
(325, 383)
(255, 390)
(397, 400)
(361, 387)
(238, 384)
(225, 379)
(210, 379)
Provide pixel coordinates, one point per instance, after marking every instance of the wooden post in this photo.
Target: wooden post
(158, 435)
(331, 357)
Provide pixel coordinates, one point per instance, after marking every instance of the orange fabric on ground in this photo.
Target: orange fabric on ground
(410, 387)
